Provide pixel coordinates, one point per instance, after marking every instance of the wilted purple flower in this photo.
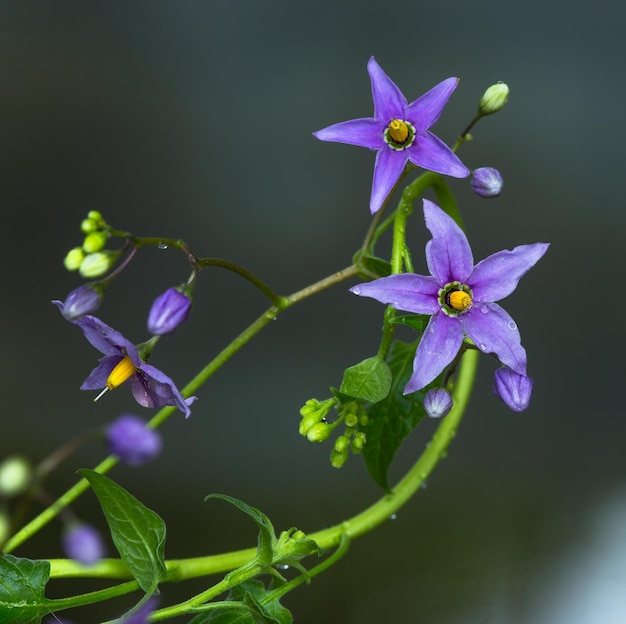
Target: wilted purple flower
(150, 386)
(437, 403)
(132, 441)
(399, 132)
(459, 297)
(82, 300)
(168, 311)
(486, 182)
(83, 543)
(515, 390)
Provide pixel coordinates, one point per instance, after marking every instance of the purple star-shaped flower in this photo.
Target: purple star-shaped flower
(459, 297)
(399, 132)
(150, 386)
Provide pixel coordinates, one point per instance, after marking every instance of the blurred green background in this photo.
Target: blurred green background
(193, 119)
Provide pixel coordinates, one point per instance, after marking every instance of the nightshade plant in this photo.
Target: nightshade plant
(452, 319)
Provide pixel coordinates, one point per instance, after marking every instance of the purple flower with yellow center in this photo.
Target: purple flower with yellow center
(459, 297)
(122, 362)
(399, 131)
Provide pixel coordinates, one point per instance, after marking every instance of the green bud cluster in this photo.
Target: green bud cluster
(91, 259)
(315, 427)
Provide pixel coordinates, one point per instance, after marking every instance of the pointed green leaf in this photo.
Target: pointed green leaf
(267, 535)
(368, 380)
(138, 532)
(416, 321)
(22, 586)
(391, 420)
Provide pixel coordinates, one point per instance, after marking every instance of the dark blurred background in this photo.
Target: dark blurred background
(193, 120)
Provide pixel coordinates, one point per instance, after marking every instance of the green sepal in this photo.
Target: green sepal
(392, 419)
(137, 532)
(369, 380)
(257, 607)
(267, 535)
(22, 586)
(418, 322)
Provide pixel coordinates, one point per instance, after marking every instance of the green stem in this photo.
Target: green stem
(331, 537)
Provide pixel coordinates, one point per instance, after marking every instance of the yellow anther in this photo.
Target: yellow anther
(123, 370)
(460, 300)
(398, 130)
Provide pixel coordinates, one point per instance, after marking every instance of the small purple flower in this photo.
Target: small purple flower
(399, 132)
(82, 300)
(486, 182)
(132, 441)
(514, 389)
(168, 311)
(83, 543)
(150, 386)
(459, 297)
(437, 403)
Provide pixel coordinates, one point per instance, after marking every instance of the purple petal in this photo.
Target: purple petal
(494, 331)
(410, 292)
(430, 152)
(448, 254)
(389, 102)
(104, 338)
(425, 111)
(151, 387)
(367, 132)
(439, 345)
(97, 379)
(497, 276)
(387, 171)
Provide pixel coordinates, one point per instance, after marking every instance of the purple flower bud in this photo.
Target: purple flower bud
(132, 441)
(514, 389)
(83, 543)
(82, 300)
(168, 311)
(437, 403)
(486, 182)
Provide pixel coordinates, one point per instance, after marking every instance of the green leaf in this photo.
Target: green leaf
(369, 380)
(257, 607)
(373, 264)
(393, 419)
(138, 532)
(22, 586)
(267, 535)
(417, 322)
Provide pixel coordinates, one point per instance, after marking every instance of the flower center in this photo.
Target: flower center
(399, 134)
(455, 299)
(122, 371)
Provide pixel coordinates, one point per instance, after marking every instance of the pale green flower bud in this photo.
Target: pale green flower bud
(15, 475)
(359, 442)
(96, 264)
(319, 432)
(94, 215)
(88, 225)
(338, 459)
(74, 258)
(494, 99)
(341, 444)
(95, 241)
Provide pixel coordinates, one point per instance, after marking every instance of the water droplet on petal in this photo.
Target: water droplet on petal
(482, 346)
(356, 290)
(512, 325)
(484, 309)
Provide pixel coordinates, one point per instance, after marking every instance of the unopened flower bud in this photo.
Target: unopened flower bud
(494, 99)
(514, 389)
(97, 264)
(15, 475)
(437, 403)
(74, 258)
(95, 241)
(132, 441)
(82, 300)
(319, 432)
(338, 459)
(341, 444)
(358, 443)
(486, 182)
(88, 225)
(351, 419)
(83, 543)
(168, 311)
